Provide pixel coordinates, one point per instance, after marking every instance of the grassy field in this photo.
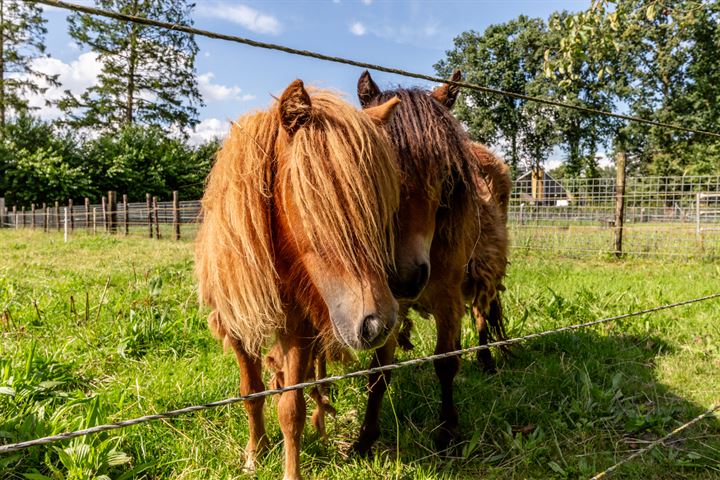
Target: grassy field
(102, 329)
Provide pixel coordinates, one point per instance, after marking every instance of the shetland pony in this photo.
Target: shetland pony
(296, 241)
(451, 239)
(496, 187)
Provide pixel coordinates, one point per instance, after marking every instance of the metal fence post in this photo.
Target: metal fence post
(619, 202)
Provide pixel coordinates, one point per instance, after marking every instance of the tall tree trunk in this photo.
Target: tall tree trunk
(2, 67)
(131, 70)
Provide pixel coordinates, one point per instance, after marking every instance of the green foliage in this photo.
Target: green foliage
(658, 58)
(649, 58)
(139, 160)
(42, 163)
(148, 73)
(22, 35)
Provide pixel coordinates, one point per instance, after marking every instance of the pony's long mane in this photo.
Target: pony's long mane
(432, 145)
(341, 176)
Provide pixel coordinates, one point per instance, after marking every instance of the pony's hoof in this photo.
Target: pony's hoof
(486, 362)
(362, 449)
(363, 445)
(250, 465)
(446, 438)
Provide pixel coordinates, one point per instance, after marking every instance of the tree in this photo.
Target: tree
(22, 36)
(509, 57)
(667, 52)
(148, 73)
(587, 83)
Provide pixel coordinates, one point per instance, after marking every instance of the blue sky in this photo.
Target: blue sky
(234, 78)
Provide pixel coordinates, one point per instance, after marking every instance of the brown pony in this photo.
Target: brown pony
(296, 242)
(449, 219)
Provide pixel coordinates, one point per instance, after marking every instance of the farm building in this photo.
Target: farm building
(539, 187)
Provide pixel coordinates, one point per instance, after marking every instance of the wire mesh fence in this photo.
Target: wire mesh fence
(663, 216)
(675, 216)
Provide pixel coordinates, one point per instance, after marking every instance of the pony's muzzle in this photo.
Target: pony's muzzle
(413, 284)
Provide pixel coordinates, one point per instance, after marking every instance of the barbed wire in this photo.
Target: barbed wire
(657, 442)
(356, 63)
(13, 447)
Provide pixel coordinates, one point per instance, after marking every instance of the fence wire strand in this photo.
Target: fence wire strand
(13, 447)
(657, 442)
(370, 66)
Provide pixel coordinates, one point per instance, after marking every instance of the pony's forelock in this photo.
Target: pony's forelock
(341, 175)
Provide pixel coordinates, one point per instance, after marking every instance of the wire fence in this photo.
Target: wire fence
(662, 217)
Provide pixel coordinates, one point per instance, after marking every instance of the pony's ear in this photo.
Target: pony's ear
(446, 93)
(367, 89)
(295, 107)
(382, 113)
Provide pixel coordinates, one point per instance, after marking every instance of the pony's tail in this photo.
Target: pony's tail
(490, 327)
(496, 322)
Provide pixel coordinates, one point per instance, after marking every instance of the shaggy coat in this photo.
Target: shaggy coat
(460, 190)
(296, 241)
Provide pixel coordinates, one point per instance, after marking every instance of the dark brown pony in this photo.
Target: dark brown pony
(296, 241)
(451, 239)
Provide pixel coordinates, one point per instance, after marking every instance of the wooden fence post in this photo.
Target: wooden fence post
(32, 216)
(22, 212)
(65, 222)
(57, 216)
(176, 214)
(619, 202)
(15, 216)
(87, 213)
(157, 222)
(126, 214)
(70, 214)
(148, 200)
(104, 213)
(112, 211)
(46, 217)
(94, 220)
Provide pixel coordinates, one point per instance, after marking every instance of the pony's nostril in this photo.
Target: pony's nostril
(370, 329)
(423, 273)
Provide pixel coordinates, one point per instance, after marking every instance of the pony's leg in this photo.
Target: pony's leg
(291, 406)
(251, 382)
(484, 357)
(377, 385)
(447, 319)
(322, 402)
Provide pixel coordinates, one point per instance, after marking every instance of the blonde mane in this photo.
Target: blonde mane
(340, 174)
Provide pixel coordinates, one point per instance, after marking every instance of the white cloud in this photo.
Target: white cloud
(413, 32)
(358, 29)
(207, 130)
(367, 2)
(216, 92)
(76, 77)
(242, 15)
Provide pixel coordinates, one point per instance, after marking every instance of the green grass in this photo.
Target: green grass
(102, 329)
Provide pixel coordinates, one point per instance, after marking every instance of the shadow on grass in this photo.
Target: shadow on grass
(566, 406)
